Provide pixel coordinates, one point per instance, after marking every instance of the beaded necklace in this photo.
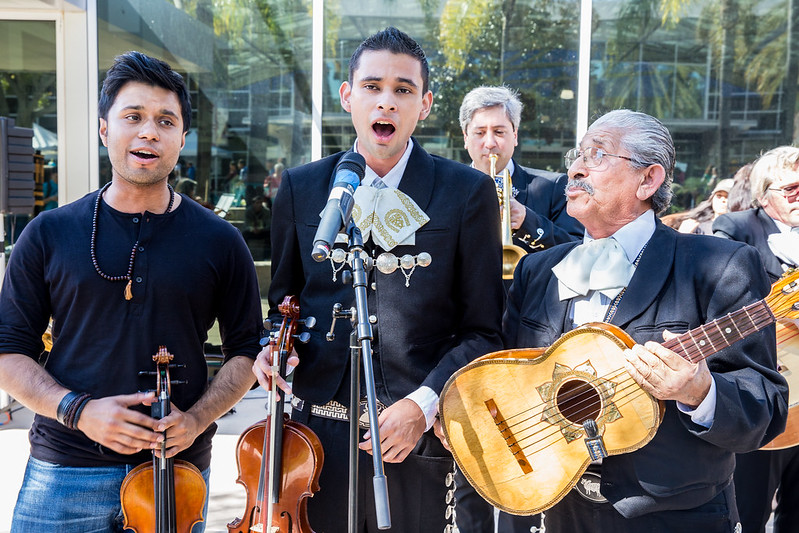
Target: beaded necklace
(129, 275)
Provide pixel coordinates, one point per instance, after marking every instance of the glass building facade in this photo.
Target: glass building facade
(265, 75)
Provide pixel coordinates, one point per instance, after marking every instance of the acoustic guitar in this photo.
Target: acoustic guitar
(524, 424)
(788, 365)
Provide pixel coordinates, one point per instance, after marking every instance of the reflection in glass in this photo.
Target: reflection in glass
(247, 64)
(28, 95)
(530, 46)
(719, 74)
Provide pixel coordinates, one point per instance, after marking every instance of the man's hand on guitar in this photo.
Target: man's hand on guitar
(111, 423)
(401, 426)
(263, 370)
(667, 376)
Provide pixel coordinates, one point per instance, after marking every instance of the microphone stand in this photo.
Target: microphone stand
(361, 346)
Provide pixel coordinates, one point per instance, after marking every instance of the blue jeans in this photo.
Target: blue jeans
(74, 499)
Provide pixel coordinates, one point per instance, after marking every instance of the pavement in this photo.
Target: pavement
(227, 498)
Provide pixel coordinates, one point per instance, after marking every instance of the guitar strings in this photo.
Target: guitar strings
(761, 318)
(694, 352)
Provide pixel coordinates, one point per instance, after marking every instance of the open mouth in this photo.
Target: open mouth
(143, 154)
(383, 130)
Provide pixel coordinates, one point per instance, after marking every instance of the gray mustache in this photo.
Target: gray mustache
(580, 184)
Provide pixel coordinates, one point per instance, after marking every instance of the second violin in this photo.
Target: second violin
(280, 457)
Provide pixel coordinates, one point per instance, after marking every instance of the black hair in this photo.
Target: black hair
(396, 42)
(141, 68)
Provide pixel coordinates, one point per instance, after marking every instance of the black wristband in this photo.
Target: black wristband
(82, 403)
(63, 407)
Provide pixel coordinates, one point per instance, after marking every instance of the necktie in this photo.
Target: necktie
(786, 246)
(598, 265)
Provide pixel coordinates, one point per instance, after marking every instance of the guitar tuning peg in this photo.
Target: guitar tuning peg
(268, 325)
(309, 322)
(264, 340)
(303, 337)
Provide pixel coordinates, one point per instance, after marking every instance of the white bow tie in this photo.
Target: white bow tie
(786, 246)
(598, 265)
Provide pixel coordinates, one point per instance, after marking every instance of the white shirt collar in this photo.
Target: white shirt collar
(634, 235)
(782, 226)
(394, 176)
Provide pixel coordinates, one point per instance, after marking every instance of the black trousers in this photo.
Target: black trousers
(575, 514)
(758, 475)
(475, 515)
(417, 486)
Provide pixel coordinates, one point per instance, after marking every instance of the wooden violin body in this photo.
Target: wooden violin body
(138, 493)
(302, 463)
(279, 460)
(164, 495)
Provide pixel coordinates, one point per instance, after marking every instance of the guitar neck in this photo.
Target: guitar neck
(704, 341)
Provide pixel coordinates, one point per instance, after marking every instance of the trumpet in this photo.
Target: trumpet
(511, 253)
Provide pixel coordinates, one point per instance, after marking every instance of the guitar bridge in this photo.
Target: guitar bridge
(593, 440)
(509, 437)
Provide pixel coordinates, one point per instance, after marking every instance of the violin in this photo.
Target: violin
(166, 495)
(279, 456)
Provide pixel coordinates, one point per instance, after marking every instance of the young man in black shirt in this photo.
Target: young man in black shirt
(120, 274)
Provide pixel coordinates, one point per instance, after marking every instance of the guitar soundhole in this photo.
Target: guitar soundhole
(578, 401)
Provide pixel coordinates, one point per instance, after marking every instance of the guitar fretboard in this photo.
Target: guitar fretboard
(704, 341)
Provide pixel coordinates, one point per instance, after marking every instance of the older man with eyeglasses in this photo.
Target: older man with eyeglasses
(634, 272)
(773, 228)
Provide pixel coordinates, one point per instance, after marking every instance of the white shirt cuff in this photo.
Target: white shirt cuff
(427, 400)
(705, 411)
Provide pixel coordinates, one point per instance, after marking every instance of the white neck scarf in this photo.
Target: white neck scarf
(598, 265)
(785, 245)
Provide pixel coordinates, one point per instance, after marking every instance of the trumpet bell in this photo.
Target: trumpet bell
(511, 255)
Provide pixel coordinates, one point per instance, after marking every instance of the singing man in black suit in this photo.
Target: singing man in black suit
(652, 282)
(489, 119)
(432, 316)
(773, 228)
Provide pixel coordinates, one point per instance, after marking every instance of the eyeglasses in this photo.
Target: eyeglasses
(789, 191)
(592, 156)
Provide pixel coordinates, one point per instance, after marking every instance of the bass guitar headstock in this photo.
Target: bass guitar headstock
(783, 300)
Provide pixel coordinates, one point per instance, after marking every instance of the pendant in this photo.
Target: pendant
(129, 290)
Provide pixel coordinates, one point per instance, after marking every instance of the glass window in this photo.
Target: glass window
(530, 46)
(28, 96)
(248, 67)
(718, 74)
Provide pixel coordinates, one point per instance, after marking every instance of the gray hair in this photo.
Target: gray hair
(648, 142)
(776, 163)
(487, 96)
